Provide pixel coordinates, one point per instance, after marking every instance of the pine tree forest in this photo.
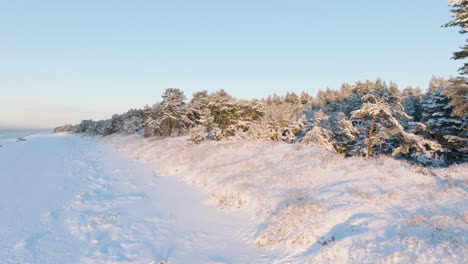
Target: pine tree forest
(368, 119)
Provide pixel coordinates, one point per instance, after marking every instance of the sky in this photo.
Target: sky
(63, 61)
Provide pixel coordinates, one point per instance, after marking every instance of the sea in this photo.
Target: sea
(11, 136)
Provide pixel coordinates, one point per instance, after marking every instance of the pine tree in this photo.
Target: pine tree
(132, 121)
(412, 103)
(173, 112)
(149, 121)
(437, 114)
(85, 125)
(116, 123)
(319, 134)
(444, 127)
(383, 109)
(460, 19)
(457, 91)
(384, 113)
(197, 107)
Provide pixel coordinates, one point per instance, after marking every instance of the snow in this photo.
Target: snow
(65, 199)
(316, 206)
(72, 199)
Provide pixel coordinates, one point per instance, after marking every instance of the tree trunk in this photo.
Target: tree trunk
(369, 144)
(168, 127)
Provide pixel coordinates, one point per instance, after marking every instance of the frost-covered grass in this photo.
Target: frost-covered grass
(319, 206)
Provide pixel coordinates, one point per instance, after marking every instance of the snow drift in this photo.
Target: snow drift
(319, 206)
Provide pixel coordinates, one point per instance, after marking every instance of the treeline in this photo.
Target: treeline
(363, 119)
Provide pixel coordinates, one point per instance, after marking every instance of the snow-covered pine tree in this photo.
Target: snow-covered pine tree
(281, 119)
(197, 134)
(132, 121)
(148, 121)
(196, 108)
(437, 113)
(220, 114)
(449, 130)
(67, 128)
(101, 128)
(412, 103)
(333, 131)
(457, 91)
(117, 123)
(319, 134)
(84, 126)
(381, 112)
(411, 99)
(221, 106)
(306, 101)
(245, 114)
(460, 19)
(104, 127)
(173, 119)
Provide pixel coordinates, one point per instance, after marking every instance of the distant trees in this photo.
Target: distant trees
(279, 118)
(367, 118)
(321, 132)
(67, 128)
(221, 116)
(411, 100)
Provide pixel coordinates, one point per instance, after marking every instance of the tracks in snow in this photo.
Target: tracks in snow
(91, 205)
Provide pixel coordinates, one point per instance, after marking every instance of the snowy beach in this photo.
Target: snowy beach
(225, 132)
(65, 199)
(72, 199)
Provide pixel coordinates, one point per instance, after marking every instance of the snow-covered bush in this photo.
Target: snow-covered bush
(198, 134)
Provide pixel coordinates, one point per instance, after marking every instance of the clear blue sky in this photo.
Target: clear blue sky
(63, 61)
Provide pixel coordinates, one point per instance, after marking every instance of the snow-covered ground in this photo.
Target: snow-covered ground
(314, 206)
(66, 199)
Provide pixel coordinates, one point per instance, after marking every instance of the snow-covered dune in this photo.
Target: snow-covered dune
(318, 206)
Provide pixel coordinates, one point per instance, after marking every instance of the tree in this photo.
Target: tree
(67, 128)
(457, 90)
(101, 128)
(437, 114)
(149, 121)
(84, 126)
(319, 134)
(279, 118)
(132, 121)
(197, 107)
(385, 109)
(383, 113)
(460, 19)
(411, 99)
(443, 126)
(173, 112)
(116, 123)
